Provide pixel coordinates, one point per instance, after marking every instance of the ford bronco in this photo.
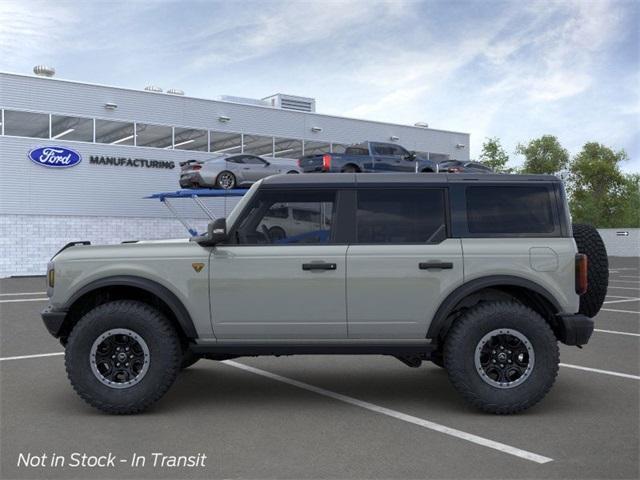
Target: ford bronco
(481, 274)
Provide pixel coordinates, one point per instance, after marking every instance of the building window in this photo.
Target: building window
(316, 148)
(115, 133)
(71, 128)
(258, 145)
(26, 124)
(221, 142)
(287, 148)
(338, 147)
(190, 139)
(157, 136)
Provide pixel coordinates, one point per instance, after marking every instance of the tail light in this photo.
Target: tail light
(582, 281)
(299, 162)
(326, 162)
(196, 167)
(455, 170)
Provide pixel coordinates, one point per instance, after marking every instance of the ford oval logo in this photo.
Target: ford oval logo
(55, 157)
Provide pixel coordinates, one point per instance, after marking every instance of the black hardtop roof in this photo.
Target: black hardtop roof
(390, 179)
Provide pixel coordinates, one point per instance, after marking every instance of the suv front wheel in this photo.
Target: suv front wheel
(502, 357)
(122, 356)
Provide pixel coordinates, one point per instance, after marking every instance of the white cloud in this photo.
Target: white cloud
(31, 30)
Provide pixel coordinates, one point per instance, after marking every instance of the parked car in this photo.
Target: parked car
(462, 166)
(231, 171)
(481, 274)
(289, 222)
(373, 157)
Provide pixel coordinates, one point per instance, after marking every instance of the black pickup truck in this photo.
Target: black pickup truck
(368, 157)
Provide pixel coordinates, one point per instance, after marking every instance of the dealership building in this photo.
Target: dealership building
(127, 144)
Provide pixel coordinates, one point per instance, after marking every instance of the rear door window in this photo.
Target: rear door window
(397, 216)
(510, 210)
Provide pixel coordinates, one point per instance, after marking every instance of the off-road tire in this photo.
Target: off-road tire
(165, 356)
(188, 359)
(466, 333)
(590, 243)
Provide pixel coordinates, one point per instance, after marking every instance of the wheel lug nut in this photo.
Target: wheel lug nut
(502, 365)
(130, 356)
(494, 360)
(126, 364)
(113, 356)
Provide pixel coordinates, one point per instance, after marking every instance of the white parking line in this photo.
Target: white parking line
(623, 288)
(21, 293)
(616, 332)
(629, 276)
(624, 281)
(485, 442)
(39, 355)
(25, 300)
(618, 311)
(621, 301)
(617, 296)
(597, 370)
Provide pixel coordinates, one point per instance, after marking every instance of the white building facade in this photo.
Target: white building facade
(129, 144)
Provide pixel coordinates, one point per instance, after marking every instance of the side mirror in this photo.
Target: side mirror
(216, 233)
(411, 156)
(266, 164)
(217, 230)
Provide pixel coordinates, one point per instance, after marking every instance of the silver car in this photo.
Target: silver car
(231, 171)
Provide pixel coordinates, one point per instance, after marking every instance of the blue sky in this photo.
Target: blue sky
(515, 70)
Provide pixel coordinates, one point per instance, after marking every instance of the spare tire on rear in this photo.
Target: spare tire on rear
(590, 243)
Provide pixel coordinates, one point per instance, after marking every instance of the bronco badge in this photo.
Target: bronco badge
(197, 267)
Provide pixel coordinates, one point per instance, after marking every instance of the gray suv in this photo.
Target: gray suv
(481, 274)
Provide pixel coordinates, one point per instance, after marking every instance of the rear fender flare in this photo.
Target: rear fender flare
(441, 321)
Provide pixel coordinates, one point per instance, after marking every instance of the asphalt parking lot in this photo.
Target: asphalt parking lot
(327, 417)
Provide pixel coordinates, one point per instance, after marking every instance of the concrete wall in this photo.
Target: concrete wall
(621, 245)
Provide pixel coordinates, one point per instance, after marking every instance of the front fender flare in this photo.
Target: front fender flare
(160, 291)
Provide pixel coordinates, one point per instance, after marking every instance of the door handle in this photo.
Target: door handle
(319, 266)
(435, 265)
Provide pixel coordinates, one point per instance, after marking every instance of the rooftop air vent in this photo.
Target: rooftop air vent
(421, 124)
(153, 88)
(44, 71)
(175, 91)
(292, 102)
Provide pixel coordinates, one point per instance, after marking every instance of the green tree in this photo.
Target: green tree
(543, 155)
(494, 156)
(600, 193)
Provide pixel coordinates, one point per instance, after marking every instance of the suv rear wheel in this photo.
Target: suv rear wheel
(502, 357)
(122, 356)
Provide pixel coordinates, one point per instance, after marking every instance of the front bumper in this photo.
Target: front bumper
(574, 329)
(54, 320)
